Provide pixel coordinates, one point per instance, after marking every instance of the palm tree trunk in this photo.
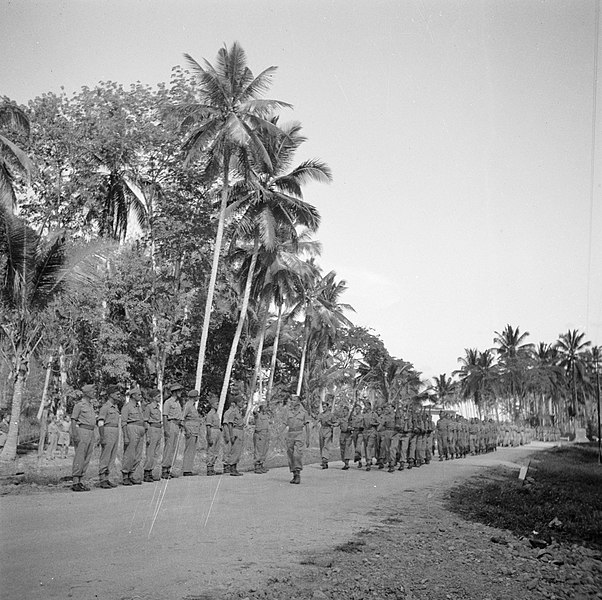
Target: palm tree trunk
(210, 291)
(241, 321)
(257, 369)
(268, 393)
(9, 452)
(303, 356)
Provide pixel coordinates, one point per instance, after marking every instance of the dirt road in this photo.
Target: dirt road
(199, 535)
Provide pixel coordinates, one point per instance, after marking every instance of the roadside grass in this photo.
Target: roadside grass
(566, 485)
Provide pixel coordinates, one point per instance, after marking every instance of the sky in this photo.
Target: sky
(464, 139)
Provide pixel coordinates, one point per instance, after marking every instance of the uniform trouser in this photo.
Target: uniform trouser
(153, 447)
(227, 443)
(380, 446)
(53, 439)
(110, 437)
(451, 444)
(428, 454)
(472, 440)
(325, 442)
(260, 445)
(412, 447)
(442, 444)
(83, 451)
(369, 438)
(421, 447)
(171, 433)
(214, 440)
(235, 447)
(189, 452)
(358, 442)
(132, 454)
(346, 445)
(394, 439)
(294, 452)
(404, 446)
(385, 445)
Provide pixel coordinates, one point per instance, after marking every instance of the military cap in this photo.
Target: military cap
(89, 389)
(135, 389)
(113, 389)
(175, 386)
(193, 394)
(153, 392)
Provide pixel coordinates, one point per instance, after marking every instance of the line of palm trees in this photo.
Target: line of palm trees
(515, 379)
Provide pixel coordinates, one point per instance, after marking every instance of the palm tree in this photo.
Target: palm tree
(475, 376)
(444, 387)
(223, 127)
(12, 158)
(571, 347)
(33, 273)
(273, 210)
(323, 313)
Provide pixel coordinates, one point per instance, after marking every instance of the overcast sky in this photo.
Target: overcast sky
(460, 135)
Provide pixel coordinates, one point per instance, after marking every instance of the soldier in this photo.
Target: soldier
(83, 421)
(420, 437)
(430, 428)
(234, 423)
(108, 427)
(154, 428)
(414, 434)
(357, 426)
(214, 435)
(380, 443)
(345, 437)
(327, 422)
(191, 419)
(405, 432)
(473, 432)
(369, 434)
(261, 437)
(172, 426)
(389, 447)
(132, 425)
(297, 422)
(442, 427)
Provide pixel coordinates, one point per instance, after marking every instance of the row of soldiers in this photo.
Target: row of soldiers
(145, 424)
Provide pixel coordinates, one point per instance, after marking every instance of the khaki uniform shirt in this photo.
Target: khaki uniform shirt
(109, 413)
(84, 413)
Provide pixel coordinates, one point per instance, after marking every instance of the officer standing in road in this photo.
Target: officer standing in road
(297, 422)
(192, 428)
(108, 427)
(261, 437)
(154, 428)
(234, 423)
(83, 422)
(327, 421)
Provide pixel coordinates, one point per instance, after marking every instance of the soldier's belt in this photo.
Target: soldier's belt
(105, 425)
(157, 425)
(138, 423)
(89, 427)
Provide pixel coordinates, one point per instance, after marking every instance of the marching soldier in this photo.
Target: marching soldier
(154, 428)
(108, 427)
(327, 422)
(369, 434)
(172, 424)
(261, 437)
(297, 423)
(83, 421)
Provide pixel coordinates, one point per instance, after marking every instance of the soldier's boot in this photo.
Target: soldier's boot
(210, 470)
(234, 472)
(104, 482)
(148, 476)
(391, 468)
(410, 463)
(76, 487)
(296, 477)
(324, 463)
(126, 479)
(134, 480)
(263, 469)
(227, 468)
(113, 485)
(164, 472)
(346, 465)
(418, 463)
(401, 466)
(368, 465)
(359, 464)
(258, 468)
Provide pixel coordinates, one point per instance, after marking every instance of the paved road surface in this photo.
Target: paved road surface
(188, 536)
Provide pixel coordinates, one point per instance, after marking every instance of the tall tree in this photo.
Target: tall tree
(223, 129)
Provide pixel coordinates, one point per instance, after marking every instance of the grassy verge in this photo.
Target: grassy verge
(566, 485)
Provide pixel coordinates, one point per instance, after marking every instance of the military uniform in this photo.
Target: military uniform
(442, 436)
(370, 423)
(345, 439)
(327, 422)
(172, 423)
(153, 424)
(234, 423)
(297, 421)
(192, 429)
(214, 438)
(108, 426)
(405, 425)
(132, 424)
(261, 437)
(83, 422)
(357, 425)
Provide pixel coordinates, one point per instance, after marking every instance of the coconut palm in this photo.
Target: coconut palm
(13, 160)
(444, 387)
(223, 128)
(476, 376)
(272, 206)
